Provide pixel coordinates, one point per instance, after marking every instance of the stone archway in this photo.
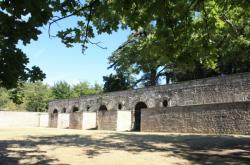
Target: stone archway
(137, 115)
(106, 119)
(75, 109)
(55, 111)
(53, 117)
(103, 108)
(75, 118)
(64, 110)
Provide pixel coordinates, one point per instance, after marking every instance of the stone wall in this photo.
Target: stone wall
(53, 120)
(107, 120)
(75, 120)
(222, 89)
(23, 119)
(224, 118)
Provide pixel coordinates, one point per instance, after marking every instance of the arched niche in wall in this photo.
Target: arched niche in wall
(75, 109)
(53, 118)
(64, 110)
(165, 103)
(87, 108)
(103, 108)
(137, 115)
(55, 111)
(119, 106)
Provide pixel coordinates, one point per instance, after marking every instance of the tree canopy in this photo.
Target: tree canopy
(84, 88)
(211, 33)
(19, 22)
(36, 96)
(203, 30)
(184, 39)
(193, 39)
(63, 90)
(117, 82)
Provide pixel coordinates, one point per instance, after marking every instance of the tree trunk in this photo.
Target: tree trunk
(153, 78)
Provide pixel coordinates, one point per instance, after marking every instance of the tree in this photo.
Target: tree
(84, 88)
(117, 82)
(7, 104)
(4, 98)
(37, 96)
(198, 43)
(128, 58)
(17, 94)
(26, 97)
(61, 90)
(19, 22)
(179, 33)
(97, 88)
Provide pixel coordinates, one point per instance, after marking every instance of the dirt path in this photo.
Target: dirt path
(58, 146)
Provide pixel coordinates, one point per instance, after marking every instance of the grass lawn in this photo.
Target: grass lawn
(64, 146)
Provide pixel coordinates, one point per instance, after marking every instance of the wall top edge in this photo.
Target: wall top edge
(196, 82)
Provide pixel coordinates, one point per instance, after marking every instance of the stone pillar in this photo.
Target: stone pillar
(75, 120)
(53, 119)
(107, 120)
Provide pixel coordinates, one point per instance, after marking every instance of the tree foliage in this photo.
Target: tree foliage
(17, 94)
(84, 88)
(19, 22)
(117, 82)
(179, 37)
(61, 90)
(6, 103)
(4, 97)
(179, 34)
(127, 58)
(190, 41)
(203, 30)
(36, 96)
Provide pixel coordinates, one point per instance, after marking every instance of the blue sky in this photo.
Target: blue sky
(69, 64)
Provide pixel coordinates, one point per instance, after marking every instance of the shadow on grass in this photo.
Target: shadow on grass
(12, 152)
(198, 149)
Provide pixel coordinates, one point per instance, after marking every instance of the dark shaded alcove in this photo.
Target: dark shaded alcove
(75, 109)
(103, 108)
(137, 115)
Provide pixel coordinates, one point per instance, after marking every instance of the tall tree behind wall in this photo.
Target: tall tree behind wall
(84, 88)
(61, 90)
(213, 38)
(117, 82)
(37, 96)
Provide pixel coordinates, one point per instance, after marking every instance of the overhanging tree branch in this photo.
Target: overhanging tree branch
(97, 44)
(90, 5)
